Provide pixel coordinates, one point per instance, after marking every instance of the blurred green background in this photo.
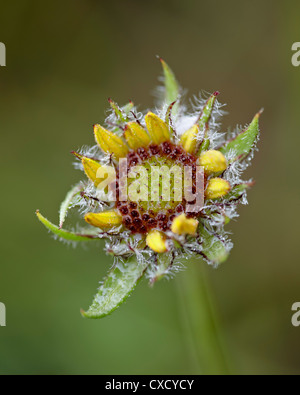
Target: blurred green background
(64, 59)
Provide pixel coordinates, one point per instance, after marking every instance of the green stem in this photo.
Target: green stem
(203, 329)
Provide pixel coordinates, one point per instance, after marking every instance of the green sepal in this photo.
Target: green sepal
(213, 248)
(203, 121)
(244, 142)
(204, 146)
(121, 113)
(172, 90)
(118, 285)
(238, 191)
(72, 198)
(162, 267)
(168, 118)
(65, 234)
(206, 112)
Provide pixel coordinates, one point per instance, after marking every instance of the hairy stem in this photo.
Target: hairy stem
(205, 340)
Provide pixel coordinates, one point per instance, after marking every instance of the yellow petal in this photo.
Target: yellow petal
(110, 143)
(184, 137)
(158, 129)
(91, 167)
(217, 188)
(105, 220)
(157, 242)
(213, 162)
(136, 136)
(184, 226)
(189, 139)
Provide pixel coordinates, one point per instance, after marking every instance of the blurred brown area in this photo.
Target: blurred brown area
(64, 59)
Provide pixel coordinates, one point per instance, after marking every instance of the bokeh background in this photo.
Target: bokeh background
(64, 59)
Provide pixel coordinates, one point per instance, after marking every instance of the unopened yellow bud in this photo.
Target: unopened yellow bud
(158, 129)
(110, 143)
(213, 162)
(91, 167)
(136, 136)
(105, 220)
(157, 242)
(184, 226)
(189, 139)
(217, 188)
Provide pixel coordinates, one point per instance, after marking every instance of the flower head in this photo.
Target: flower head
(159, 188)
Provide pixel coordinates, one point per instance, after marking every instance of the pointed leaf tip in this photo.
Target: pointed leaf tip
(64, 234)
(260, 112)
(120, 114)
(172, 89)
(244, 142)
(207, 110)
(77, 155)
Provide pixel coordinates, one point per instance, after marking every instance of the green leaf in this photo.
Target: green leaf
(162, 267)
(244, 142)
(172, 89)
(65, 234)
(128, 108)
(238, 191)
(168, 119)
(72, 197)
(203, 121)
(116, 288)
(121, 113)
(205, 115)
(214, 249)
(205, 143)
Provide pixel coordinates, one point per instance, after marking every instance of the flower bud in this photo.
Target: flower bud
(110, 142)
(158, 129)
(136, 136)
(184, 226)
(91, 168)
(217, 188)
(105, 220)
(157, 242)
(189, 139)
(213, 162)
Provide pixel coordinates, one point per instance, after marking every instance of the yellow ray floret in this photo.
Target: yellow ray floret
(217, 188)
(136, 136)
(189, 139)
(213, 162)
(184, 226)
(110, 143)
(105, 220)
(157, 242)
(158, 129)
(91, 167)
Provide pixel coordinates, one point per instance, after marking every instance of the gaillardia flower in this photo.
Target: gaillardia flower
(160, 189)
